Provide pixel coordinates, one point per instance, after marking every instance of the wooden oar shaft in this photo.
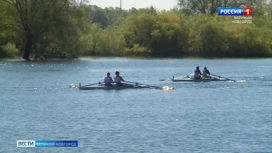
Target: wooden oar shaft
(93, 84)
(222, 77)
(144, 84)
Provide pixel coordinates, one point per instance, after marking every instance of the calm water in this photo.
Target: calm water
(36, 103)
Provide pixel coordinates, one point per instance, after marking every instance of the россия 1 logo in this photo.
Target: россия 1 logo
(223, 11)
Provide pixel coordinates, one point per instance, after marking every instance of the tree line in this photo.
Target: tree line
(71, 28)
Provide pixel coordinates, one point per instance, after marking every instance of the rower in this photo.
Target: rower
(205, 73)
(118, 79)
(108, 80)
(197, 74)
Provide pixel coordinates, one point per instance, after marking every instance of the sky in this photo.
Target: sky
(128, 4)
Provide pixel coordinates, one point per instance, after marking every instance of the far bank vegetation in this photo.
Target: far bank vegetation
(66, 28)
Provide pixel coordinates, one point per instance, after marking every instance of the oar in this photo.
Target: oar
(156, 87)
(127, 84)
(93, 84)
(165, 79)
(170, 79)
(223, 77)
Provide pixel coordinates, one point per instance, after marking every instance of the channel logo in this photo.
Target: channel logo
(56, 143)
(223, 11)
(47, 143)
(26, 143)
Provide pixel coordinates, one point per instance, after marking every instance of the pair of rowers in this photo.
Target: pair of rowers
(117, 79)
(205, 74)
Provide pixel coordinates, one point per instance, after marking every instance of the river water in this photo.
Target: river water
(36, 103)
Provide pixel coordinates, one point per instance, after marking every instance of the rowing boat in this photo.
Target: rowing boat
(189, 79)
(197, 80)
(101, 86)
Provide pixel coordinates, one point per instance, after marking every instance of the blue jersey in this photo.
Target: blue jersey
(197, 74)
(118, 80)
(108, 81)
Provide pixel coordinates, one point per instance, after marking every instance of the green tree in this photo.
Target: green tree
(9, 33)
(90, 40)
(138, 30)
(100, 16)
(206, 36)
(36, 18)
(112, 42)
(246, 41)
(168, 35)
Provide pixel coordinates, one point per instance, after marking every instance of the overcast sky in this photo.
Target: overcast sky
(128, 4)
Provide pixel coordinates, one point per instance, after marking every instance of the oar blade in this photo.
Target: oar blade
(162, 88)
(167, 88)
(73, 86)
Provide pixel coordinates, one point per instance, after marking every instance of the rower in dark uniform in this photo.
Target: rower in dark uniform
(197, 74)
(108, 80)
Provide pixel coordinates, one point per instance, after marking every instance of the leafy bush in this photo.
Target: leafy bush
(8, 50)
